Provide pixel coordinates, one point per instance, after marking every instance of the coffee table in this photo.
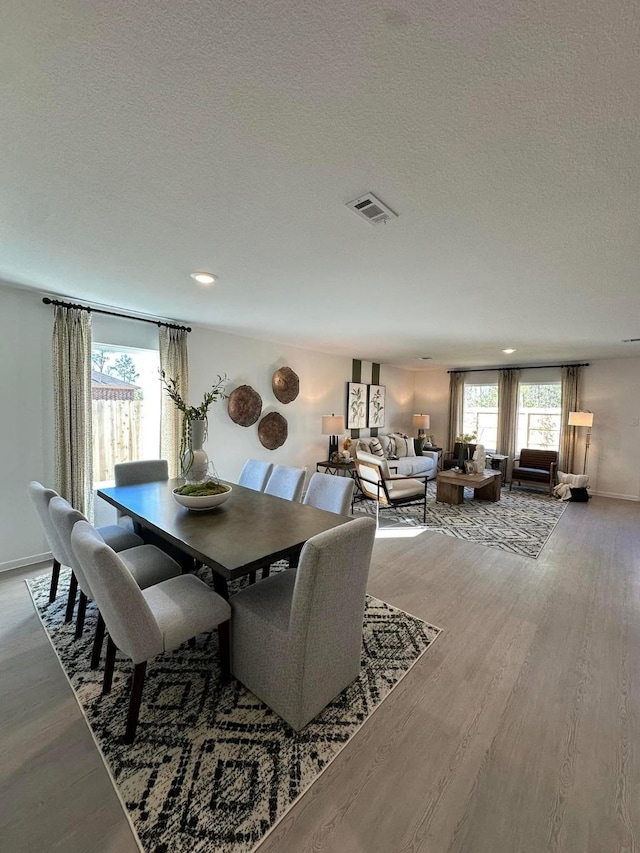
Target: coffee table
(450, 486)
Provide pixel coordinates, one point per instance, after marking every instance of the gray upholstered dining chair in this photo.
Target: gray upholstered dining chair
(138, 471)
(285, 483)
(296, 638)
(148, 565)
(145, 623)
(254, 474)
(331, 493)
(117, 537)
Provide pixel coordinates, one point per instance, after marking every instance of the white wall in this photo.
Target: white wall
(26, 421)
(432, 398)
(611, 390)
(323, 390)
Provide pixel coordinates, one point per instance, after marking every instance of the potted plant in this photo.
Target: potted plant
(195, 426)
(464, 440)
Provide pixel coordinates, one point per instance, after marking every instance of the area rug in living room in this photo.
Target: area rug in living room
(212, 768)
(521, 522)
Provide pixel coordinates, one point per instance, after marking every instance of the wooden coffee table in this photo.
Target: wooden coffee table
(450, 486)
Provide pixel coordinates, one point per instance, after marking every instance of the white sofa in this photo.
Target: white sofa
(404, 465)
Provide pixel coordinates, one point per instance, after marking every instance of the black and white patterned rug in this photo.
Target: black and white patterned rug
(521, 522)
(212, 768)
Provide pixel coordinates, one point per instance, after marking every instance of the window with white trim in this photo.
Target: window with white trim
(539, 415)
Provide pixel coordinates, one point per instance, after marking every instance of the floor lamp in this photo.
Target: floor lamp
(333, 426)
(583, 419)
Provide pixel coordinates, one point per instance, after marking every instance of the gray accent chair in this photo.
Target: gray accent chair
(377, 483)
(145, 623)
(115, 536)
(286, 483)
(139, 471)
(147, 564)
(296, 638)
(254, 474)
(331, 493)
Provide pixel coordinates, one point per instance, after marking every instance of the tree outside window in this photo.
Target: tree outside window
(125, 390)
(480, 413)
(539, 413)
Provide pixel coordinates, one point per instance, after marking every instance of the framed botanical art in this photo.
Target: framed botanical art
(376, 405)
(356, 405)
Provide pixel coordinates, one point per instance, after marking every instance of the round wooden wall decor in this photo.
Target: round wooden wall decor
(273, 430)
(285, 385)
(245, 405)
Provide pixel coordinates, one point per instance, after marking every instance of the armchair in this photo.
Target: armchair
(535, 466)
(377, 483)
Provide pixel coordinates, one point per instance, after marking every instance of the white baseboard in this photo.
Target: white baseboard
(618, 497)
(26, 561)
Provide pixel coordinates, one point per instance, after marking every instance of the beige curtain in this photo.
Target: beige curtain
(508, 382)
(72, 407)
(456, 405)
(174, 362)
(571, 376)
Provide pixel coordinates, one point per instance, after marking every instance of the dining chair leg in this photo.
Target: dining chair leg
(252, 577)
(82, 609)
(55, 575)
(109, 664)
(97, 643)
(225, 652)
(135, 700)
(71, 600)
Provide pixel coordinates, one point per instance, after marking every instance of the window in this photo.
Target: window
(539, 407)
(125, 407)
(480, 413)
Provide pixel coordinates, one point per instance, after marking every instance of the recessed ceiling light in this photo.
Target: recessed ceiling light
(204, 277)
(509, 350)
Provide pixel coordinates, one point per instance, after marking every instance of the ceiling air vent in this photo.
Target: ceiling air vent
(372, 209)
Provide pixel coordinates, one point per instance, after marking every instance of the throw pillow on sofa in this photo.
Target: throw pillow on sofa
(388, 446)
(404, 445)
(376, 448)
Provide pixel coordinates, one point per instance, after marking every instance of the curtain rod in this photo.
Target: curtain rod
(48, 301)
(524, 367)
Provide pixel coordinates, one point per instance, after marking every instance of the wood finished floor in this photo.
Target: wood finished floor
(517, 732)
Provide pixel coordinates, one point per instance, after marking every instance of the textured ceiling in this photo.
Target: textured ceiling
(142, 140)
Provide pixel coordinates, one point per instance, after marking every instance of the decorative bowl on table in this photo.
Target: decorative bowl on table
(200, 497)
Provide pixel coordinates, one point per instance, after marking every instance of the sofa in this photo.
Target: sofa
(399, 452)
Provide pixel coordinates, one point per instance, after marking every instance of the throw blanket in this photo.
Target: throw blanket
(568, 481)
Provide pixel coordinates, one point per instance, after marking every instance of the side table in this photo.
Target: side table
(498, 462)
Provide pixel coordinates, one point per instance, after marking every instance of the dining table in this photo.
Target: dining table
(248, 532)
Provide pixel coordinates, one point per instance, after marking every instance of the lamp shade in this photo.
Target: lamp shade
(422, 422)
(332, 424)
(580, 419)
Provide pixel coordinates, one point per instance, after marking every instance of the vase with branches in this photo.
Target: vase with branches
(195, 425)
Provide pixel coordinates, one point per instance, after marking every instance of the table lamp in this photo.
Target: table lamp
(333, 426)
(422, 423)
(583, 419)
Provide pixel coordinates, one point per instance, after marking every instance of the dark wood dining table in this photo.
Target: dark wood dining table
(248, 532)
